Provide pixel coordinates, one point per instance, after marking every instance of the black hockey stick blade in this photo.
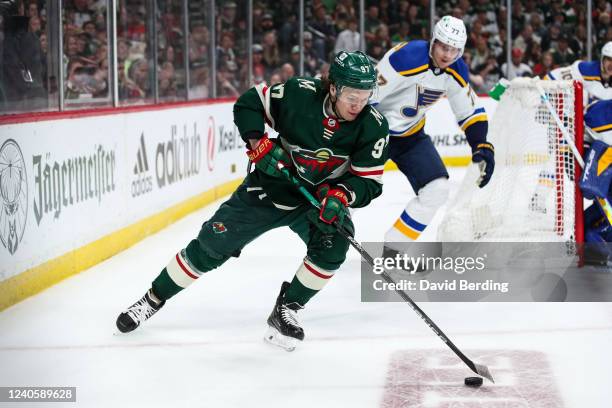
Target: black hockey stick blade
(483, 371)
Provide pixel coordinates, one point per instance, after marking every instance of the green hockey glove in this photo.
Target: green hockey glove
(334, 203)
(266, 155)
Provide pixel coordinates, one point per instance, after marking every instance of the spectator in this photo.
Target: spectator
(82, 13)
(403, 34)
(225, 49)
(311, 60)
(227, 82)
(481, 53)
(271, 53)
(517, 67)
(550, 40)
(563, 54)
(137, 81)
(199, 81)
(294, 58)
(324, 30)
(545, 65)
(275, 78)
(475, 79)
(199, 42)
(227, 20)
(371, 22)
(490, 74)
(348, 40)
(526, 38)
(286, 72)
(21, 66)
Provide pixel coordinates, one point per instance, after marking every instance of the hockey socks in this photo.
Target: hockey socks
(307, 282)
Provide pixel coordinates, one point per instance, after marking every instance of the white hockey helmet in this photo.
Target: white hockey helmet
(606, 50)
(450, 31)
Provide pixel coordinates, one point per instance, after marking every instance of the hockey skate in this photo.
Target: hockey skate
(138, 313)
(284, 331)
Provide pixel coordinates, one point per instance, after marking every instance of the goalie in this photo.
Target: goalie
(596, 76)
(596, 181)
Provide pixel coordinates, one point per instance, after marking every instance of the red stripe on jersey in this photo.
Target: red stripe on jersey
(178, 260)
(367, 173)
(315, 272)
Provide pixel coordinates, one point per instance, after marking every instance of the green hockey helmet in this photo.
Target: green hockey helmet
(352, 69)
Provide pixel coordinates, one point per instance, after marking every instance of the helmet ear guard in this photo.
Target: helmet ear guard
(450, 31)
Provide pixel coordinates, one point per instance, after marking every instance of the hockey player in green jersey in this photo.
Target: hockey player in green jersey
(334, 143)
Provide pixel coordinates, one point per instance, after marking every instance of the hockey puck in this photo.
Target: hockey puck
(473, 381)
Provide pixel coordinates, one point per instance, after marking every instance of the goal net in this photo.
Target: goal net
(533, 195)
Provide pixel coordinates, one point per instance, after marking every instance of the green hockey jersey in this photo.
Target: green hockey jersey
(351, 154)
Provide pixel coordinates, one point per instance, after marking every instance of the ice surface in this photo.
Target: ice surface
(205, 348)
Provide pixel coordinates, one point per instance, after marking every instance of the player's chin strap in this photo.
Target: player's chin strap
(479, 369)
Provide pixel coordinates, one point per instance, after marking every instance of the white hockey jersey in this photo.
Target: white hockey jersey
(587, 72)
(409, 84)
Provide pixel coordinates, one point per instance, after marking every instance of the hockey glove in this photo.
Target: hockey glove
(484, 156)
(333, 208)
(266, 155)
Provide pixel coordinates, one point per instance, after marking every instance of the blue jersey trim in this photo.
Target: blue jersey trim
(460, 67)
(590, 68)
(599, 114)
(476, 112)
(412, 56)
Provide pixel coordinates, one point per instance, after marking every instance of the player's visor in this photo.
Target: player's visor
(353, 96)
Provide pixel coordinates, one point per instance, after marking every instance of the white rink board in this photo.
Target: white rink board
(87, 177)
(446, 135)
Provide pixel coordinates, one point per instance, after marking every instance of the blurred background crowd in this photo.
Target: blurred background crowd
(168, 50)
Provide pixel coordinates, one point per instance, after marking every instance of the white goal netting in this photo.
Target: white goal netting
(533, 193)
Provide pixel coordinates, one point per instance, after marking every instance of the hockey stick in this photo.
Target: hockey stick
(603, 202)
(479, 369)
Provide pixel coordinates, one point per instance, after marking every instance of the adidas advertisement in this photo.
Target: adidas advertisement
(143, 181)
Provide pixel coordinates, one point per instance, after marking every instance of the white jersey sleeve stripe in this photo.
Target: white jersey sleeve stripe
(264, 95)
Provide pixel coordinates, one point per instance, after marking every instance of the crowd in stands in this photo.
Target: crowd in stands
(545, 33)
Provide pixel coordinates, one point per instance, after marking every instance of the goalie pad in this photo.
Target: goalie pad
(597, 177)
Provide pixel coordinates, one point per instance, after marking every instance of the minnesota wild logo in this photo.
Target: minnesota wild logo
(316, 166)
(218, 227)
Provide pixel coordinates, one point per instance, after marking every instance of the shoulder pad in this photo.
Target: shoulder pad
(599, 116)
(460, 72)
(410, 58)
(590, 70)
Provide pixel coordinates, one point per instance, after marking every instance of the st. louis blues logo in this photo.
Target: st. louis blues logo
(316, 166)
(425, 97)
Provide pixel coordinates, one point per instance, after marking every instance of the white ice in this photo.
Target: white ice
(205, 348)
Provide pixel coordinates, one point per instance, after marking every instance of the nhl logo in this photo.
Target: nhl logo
(13, 195)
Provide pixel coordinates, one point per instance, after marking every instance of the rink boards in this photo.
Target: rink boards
(79, 187)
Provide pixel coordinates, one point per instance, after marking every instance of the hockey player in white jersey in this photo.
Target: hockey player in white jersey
(596, 180)
(412, 77)
(596, 76)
